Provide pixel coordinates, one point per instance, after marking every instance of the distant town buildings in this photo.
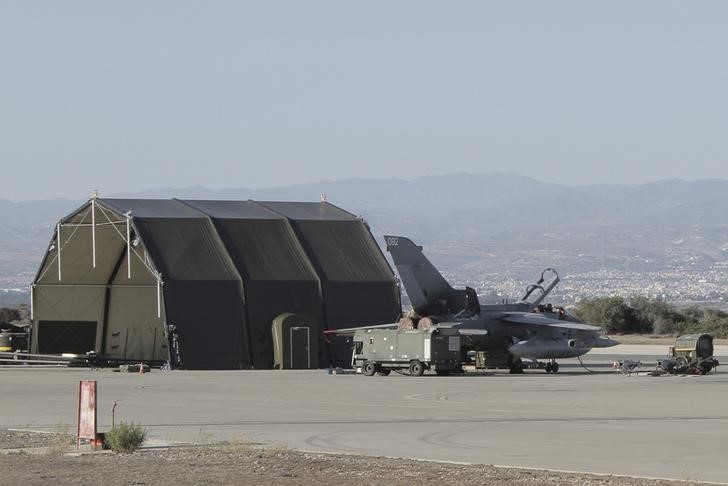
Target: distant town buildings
(675, 285)
(503, 272)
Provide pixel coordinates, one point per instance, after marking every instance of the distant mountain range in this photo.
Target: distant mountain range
(460, 216)
(465, 202)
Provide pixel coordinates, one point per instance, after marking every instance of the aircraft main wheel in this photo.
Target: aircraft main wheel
(384, 372)
(368, 368)
(555, 367)
(442, 372)
(516, 368)
(416, 368)
(549, 368)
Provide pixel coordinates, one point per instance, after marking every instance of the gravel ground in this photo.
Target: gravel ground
(15, 439)
(247, 464)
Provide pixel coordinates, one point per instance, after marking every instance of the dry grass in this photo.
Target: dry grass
(60, 442)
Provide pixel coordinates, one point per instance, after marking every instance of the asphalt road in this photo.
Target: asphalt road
(666, 427)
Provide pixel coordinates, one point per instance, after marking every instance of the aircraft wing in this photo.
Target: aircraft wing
(349, 331)
(531, 319)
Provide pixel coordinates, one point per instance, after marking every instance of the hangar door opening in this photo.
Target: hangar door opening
(295, 341)
(300, 349)
(56, 337)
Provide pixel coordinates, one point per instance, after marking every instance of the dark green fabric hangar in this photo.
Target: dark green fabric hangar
(200, 284)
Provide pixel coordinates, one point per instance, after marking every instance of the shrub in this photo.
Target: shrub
(613, 313)
(645, 315)
(665, 325)
(8, 315)
(126, 438)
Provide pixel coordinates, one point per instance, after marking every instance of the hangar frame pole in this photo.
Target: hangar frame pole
(113, 224)
(58, 249)
(159, 295)
(99, 286)
(93, 229)
(128, 247)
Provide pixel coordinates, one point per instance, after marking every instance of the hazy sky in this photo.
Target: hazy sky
(124, 96)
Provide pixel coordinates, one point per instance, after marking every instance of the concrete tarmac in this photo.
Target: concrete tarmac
(666, 427)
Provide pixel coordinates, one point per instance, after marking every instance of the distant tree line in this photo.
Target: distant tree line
(641, 315)
(8, 315)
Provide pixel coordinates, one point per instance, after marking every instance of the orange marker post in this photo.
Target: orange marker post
(86, 412)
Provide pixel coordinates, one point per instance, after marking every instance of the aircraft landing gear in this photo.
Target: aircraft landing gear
(552, 366)
(516, 368)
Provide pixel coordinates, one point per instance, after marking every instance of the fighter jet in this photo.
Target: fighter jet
(503, 335)
(508, 333)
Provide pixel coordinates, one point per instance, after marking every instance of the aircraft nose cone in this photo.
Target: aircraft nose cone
(606, 343)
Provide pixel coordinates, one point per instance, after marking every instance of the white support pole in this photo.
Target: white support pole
(93, 229)
(58, 249)
(32, 287)
(159, 295)
(128, 247)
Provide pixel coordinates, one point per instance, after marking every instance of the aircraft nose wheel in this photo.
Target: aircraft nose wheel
(516, 368)
(552, 367)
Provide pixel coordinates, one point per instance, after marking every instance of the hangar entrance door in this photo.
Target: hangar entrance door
(57, 337)
(295, 341)
(300, 340)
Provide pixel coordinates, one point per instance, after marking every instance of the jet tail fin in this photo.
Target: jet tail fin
(427, 289)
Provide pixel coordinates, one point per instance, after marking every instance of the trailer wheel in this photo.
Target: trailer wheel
(416, 368)
(368, 368)
(682, 365)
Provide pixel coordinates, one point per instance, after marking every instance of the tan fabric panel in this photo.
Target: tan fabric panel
(140, 274)
(134, 331)
(69, 304)
(76, 256)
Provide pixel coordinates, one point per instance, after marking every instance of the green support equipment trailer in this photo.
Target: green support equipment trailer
(383, 350)
(692, 353)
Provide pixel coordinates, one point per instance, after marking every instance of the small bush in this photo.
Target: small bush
(126, 438)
